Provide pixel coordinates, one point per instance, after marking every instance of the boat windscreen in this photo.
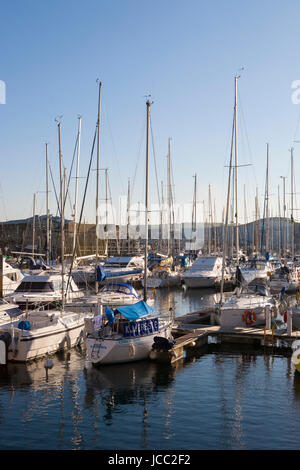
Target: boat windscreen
(27, 286)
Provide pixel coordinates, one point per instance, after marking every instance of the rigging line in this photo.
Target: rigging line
(138, 158)
(69, 179)
(113, 214)
(58, 207)
(114, 147)
(153, 150)
(81, 212)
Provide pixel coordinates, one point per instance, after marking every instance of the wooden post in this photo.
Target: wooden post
(268, 318)
(289, 323)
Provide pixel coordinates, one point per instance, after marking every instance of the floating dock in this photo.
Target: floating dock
(195, 335)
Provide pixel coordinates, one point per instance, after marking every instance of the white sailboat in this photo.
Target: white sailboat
(37, 332)
(127, 333)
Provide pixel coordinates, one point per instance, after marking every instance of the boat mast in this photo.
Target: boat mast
(279, 224)
(267, 205)
(169, 197)
(236, 170)
(162, 215)
(33, 224)
(128, 216)
(106, 211)
(47, 210)
(245, 221)
(97, 177)
(76, 183)
(256, 220)
(209, 220)
(62, 214)
(194, 212)
(224, 245)
(284, 218)
(292, 205)
(148, 104)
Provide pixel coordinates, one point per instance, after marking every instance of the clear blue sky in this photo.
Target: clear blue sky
(185, 54)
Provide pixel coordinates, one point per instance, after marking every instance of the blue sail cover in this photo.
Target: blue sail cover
(100, 274)
(135, 311)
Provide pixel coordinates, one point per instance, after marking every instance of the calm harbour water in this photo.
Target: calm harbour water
(217, 398)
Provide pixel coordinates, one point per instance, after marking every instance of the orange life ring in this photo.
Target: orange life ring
(249, 317)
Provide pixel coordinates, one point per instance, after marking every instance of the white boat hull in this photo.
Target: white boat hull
(233, 318)
(27, 345)
(115, 351)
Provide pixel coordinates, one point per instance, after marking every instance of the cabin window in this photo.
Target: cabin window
(27, 286)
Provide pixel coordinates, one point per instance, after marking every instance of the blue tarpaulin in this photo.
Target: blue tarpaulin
(135, 311)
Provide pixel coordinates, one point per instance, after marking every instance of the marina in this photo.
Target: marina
(149, 229)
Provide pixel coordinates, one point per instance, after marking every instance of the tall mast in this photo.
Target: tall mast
(245, 220)
(76, 182)
(284, 219)
(33, 224)
(224, 247)
(162, 215)
(236, 170)
(169, 197)
(256, 220)
(106, 211)
(97, 176)
(267, 204)
(292, 204)
(194, 211)
(62, 212)
(128, 216)
(209, 220)
(279, 224)
(148, 104)
(47, 210)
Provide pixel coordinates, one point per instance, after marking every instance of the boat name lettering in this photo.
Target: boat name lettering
(140, 328)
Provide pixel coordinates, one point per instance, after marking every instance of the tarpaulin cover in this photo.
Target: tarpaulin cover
(135, 311)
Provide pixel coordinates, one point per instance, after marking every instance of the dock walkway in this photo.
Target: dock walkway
(197, 335)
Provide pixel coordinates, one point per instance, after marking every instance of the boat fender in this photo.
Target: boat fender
(5, 340)
(285, 317)
(131, 350)
(24, 325)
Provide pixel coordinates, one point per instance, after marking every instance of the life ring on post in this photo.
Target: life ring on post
(249, 317)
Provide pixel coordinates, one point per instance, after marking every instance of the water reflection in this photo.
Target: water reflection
(212, 398)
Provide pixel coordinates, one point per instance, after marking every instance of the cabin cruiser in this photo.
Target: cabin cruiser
(206, 271)
(256, 271)
(43, 289)
(12, 277)
(162, 276)
(38, 333)
(110, 295)
(125, 334)
(286, 276)
(120, 269)
(246, 307)
(8, 311)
